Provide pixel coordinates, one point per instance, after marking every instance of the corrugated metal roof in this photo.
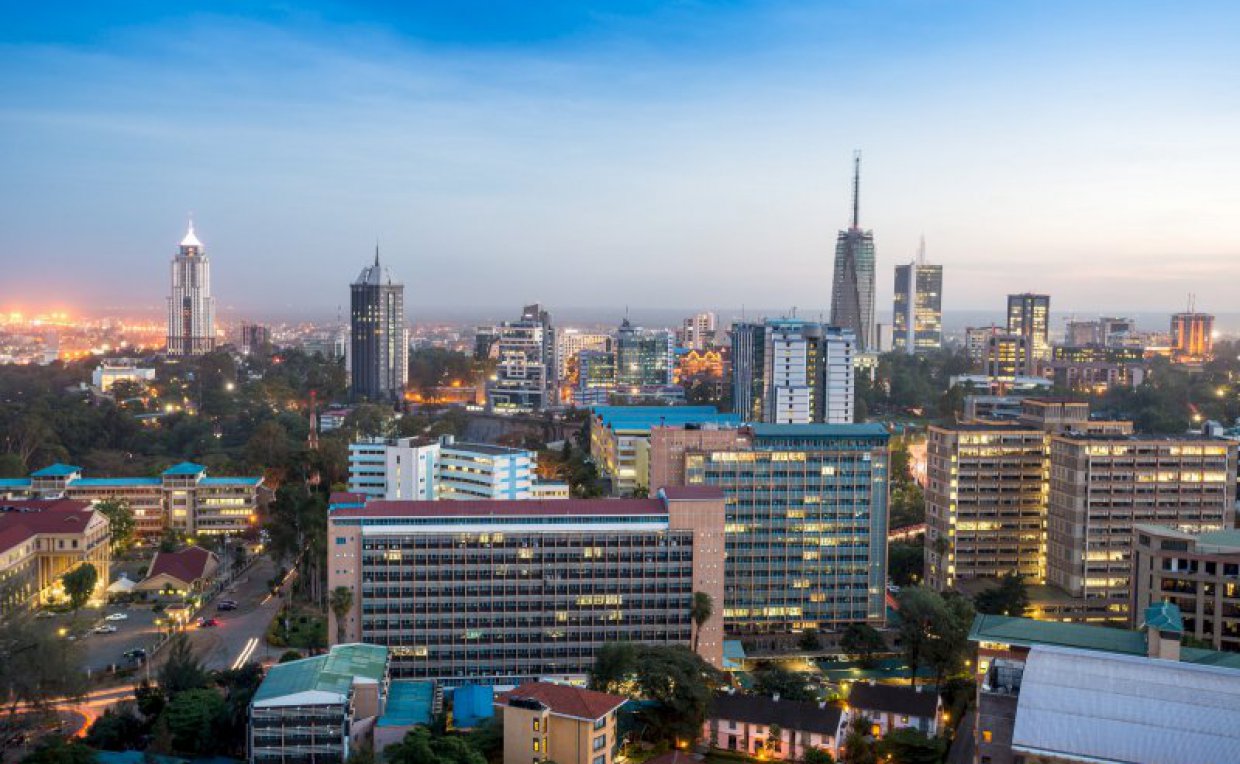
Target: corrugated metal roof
(56, 470)
(506, 507)
(1076, 704)
(408, 703)
(332, 673)
(863, 430)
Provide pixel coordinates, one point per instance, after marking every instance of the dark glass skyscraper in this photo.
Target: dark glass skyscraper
(852, 290)
(379, 346)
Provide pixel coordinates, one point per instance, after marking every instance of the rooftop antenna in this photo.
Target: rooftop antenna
(921, 252)
(376, 252)
(856, 196)
(1192, 303)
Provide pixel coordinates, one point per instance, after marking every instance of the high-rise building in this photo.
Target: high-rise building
(1029, 315)
(1198, 572)
(917, 309)
(254, 338)
(806, 523)
(1192, 336)
(1008, 356)
(698, 331)
(501, 592)
(644, 358)
(790, 371)
(852, 289)
(191, 308)
(570, 342)
(379, 355)
(525, 376)
(1101, 487)
(619, 436)
(977, 341)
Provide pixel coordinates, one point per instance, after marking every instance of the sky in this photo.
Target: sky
(619, 153)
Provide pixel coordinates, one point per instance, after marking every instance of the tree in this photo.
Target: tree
(36, 666)
(934, 631)
(909, 746)
(117, 729)
(419, 746)
(54, 750)
(340, 602)
(289, 655)
(268, 447)
(788, 685)
(700, 611)
(817, 756)
(862, 642)
(1010, 597)
(774, 739)
(151, 700)
(191, 717)
(905, 563)
(809, 641)
(121, 524)
(183, 671)
(859, 747)
(615, 667)
(79, 584)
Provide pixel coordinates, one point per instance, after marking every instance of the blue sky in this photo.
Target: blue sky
(649, 154)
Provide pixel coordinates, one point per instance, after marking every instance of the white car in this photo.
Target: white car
(105, 629)
(116, 617)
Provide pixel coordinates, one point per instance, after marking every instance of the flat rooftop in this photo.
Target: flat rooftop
(512, 508)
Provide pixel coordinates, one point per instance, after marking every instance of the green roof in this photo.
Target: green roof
(1027, 632)
(1227, 538)
(185, 468)
(56, 470)
(333, 672)
(408, 703)
(1164, 616)
(859, 430)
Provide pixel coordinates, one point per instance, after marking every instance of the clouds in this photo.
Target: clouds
(684, 155)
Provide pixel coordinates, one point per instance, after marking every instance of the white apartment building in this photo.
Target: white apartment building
(423, 469)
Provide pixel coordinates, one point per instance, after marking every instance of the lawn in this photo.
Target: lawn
(306, 629)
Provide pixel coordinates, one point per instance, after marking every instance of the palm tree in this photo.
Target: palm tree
(700, 611)
(341, 602)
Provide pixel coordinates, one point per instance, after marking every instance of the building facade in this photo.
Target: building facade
(644, 358)
(789, 371)
(379, 341)
(619, 438)
(1101, 487)
(852, 286)
(526, 372)
(1197, 572)
(183, 497)
(394, 468)
(698, 331)
(985, 503)
(1096, 368)
(917, 308)
(191, 308)
(1009, 357)
(305, 711)
(806, 526)
(1192, 337)
(545, 722)
(570, 342)
(426, 469)
(40, 541)
(1029, 316)
(511, 591)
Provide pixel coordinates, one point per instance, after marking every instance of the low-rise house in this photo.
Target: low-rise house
(891, 707)
(557, 722)
(756, 725)
(40, 541)
(306, 711)
(178, 574)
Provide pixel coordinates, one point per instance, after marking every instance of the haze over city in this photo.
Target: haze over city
(688, 154)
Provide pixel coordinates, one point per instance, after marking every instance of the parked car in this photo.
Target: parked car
(45, 614)
(226, 605)
(204, 623)
(136, 654)
(116, 617)
(105, 629)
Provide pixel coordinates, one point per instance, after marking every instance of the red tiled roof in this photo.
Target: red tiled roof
(20, 519)
(693, 492)
(187, 565)
(567, 700)
(500, 508)
(344, 497)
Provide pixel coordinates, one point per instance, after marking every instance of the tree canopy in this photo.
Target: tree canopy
(1010, 597)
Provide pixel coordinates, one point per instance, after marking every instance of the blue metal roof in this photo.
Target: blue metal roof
(14, 482)
(408, 703)
(861, 430)
(231, 481)
(56, 470)
(1164, 616)
(645, 417)
(185, 468)
(472, 703)
(114, 482)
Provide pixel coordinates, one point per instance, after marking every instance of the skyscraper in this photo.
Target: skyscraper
(644, 358)
(1030, 315)
(852, 291)
(790, 371)
(191, 308)
(525, 377)
(1192, 336)
(380, 341)
(917, 309)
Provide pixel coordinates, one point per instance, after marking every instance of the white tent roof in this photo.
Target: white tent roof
(122, 585)
(1083, 705)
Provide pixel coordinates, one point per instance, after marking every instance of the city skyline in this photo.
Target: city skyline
(354, 124)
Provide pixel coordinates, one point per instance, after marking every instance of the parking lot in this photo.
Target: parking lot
(102, 651)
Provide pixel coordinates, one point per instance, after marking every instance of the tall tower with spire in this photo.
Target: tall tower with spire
(852, 289)
(191, 308)
(379, 339)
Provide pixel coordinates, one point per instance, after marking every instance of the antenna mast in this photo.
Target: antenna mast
(856, 200)
(921, 252)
